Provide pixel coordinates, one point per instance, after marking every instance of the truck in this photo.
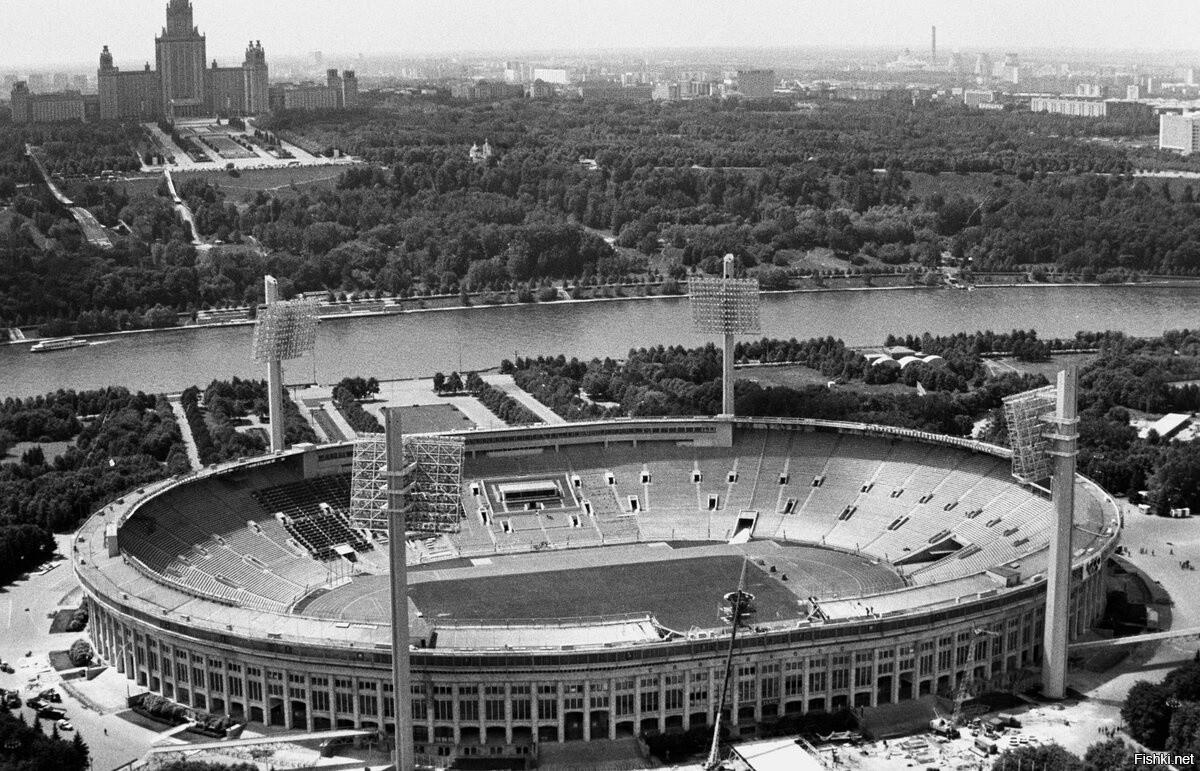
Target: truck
(943, 727)
(986, 745)
(51, 713)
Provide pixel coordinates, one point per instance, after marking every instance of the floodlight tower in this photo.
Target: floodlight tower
(397, 509)
(726, 306)
(285, 330)
(1043, 424)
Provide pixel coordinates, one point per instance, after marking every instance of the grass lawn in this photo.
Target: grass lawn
(1047, 368)
(680, 593)
(800, 376)
(50, 449)
(61, 619)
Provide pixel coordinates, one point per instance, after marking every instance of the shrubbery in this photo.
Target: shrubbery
(81, 653)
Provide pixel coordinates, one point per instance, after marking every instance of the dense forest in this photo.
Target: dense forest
(673, 186)
(118, 441)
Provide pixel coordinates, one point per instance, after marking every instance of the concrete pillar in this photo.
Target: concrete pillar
(1058, 574)
(403, 758)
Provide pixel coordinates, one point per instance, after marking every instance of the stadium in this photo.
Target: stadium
(577, 594)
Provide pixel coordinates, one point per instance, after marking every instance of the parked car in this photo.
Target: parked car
(63, 725)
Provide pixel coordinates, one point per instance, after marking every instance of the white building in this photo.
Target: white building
(1179, 132)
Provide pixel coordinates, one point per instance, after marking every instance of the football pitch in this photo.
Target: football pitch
(681, 591)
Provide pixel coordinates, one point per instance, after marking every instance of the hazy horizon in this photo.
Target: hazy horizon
(49, 33)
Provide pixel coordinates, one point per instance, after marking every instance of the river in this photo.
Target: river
(418, 344)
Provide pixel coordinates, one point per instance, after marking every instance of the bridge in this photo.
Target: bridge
(281, 738)
(1118, 642)
(93, 231)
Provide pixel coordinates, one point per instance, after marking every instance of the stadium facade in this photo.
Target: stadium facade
(242, 588)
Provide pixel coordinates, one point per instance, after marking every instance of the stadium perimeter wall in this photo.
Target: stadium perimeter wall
(306, 673)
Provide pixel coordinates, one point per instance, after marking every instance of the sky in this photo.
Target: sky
(46, 32)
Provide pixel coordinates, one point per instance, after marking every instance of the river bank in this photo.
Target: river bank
(421, 341)
(442, 303)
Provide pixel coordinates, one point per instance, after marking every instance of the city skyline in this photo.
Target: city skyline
(377, 27)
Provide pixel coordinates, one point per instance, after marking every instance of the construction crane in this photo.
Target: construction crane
(950, 727)
(736, 608)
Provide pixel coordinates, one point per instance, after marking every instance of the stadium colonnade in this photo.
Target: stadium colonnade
(245, 645)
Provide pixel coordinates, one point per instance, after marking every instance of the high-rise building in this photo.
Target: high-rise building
(180, 54)
(28, 107)
(983, 66)
(756, 84)
(1177, 132)
(340, 92)
(182, 85)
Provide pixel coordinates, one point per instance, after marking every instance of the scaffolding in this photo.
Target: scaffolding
(368, 485)
(725, 306)
(432, 481)
(435, 483)
(1027, 415)
(285, 330)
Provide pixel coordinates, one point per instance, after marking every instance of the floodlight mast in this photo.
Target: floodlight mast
(1043, 426)
(402, 754)
(728, 307)
(1063, 448)
(274, 378)
(727, 352)
(284, 330)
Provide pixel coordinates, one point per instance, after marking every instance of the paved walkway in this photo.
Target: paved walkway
(505, 383)
(411, 393)
(185, 429)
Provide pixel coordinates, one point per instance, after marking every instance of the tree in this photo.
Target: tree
(80, 653)
(1112, 755)
(439, 382)
(1146, 713)
(1049, 757)
(454, 383)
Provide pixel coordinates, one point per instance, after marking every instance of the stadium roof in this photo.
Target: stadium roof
(777, 755)
(1169, 425)
(525, 636)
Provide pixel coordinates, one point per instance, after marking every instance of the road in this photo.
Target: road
(24, 627)
(505, 383)
(185, 429)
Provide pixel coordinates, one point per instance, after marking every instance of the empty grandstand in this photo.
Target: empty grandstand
(579, 597)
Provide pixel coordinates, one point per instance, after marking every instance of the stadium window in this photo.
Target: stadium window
(610, 479)
(789, 506)
(713, 502)
(818, 481)
(634, 504)
(645, 478)
(783, 479)
(733, 477)
(475, 490)
(577, 482)
(587, 508)
(697, 477)
(483, 516)
(574, 521)
(866, 488)
(506, 525)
